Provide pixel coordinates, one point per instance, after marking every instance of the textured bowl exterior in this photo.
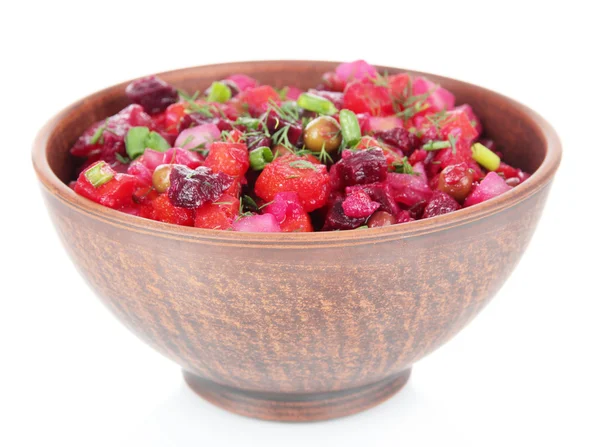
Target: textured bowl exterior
(303, 313)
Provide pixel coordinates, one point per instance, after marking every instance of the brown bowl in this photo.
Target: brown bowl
(309, 326)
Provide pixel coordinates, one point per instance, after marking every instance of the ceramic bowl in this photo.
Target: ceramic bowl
(305, 326)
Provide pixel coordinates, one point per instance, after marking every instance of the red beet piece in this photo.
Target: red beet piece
(440, 203)
(359, 204)
(291, 173)
(380, 193)
(275, 123)
(193, 188)
(409, 189)
(399, 138)
(116, 193)
(258, 99)
(107, 138)
(229, 158)
(163, 210)
(336, 219)
(365, 96)
(152, 93)
(288, 211)
(218, 215)
(359, 168)
(491, 186)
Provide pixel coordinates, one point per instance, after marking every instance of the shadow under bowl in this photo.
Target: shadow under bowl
(298, 327)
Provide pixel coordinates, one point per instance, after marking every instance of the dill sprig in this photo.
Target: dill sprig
(324, 156)
(404, 167)
(281, 137)
(193, 107)
(302, 164)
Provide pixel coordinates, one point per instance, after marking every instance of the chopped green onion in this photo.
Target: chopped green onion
(250, 123)
(98, 134)
(121, 159)
(259, 158)
(436, 145)
(135, 141)
(138, 139)
(157, 142)
(350, 127)
(219, 92)
(99, 174)
(485, 157)
(317, 104)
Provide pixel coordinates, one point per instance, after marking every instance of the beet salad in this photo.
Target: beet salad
(361, 149)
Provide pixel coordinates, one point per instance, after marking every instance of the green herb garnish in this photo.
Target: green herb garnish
(303, 164)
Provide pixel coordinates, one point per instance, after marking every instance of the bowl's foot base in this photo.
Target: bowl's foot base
(296, 407)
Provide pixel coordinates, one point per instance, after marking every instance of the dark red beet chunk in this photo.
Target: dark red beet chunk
(359, 168)
(256, 141)
(380, 193)
(440, 203)
(193, 188)
(275, 123)
(112, 139)
(336, 219)
(152, 93)
(399, 138)
(359, 204)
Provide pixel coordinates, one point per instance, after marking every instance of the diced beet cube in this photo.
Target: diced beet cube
(291, 173)
(399, 85)
(332, 82)
(336, 219)
(173, 117)
(508, 171)
(218, 215)
(378, 124)
(229, 158)
(409, 189)
(288, 211)
(258, 99)
(163, 210)
(193, 188)
(242, 81)
(365, 96)
(292, 93)
(440, 203)
(356, 70)
(403, 216)
(116, 193)
(152, 93)
(359, 204)
(438, 99)
(399, 138)
(491, 186)
(359, 167)
(417, 156)
(473, 119)
(380, 193)
(198, 136)
(257, 223)
(178, 156)
(141, 172)
(107, 138)
(274, 123)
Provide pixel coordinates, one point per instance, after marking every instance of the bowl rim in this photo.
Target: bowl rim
(538, 180)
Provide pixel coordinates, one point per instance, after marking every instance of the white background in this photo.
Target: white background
(525, 372)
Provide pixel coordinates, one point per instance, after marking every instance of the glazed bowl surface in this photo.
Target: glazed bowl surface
(303, 326)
